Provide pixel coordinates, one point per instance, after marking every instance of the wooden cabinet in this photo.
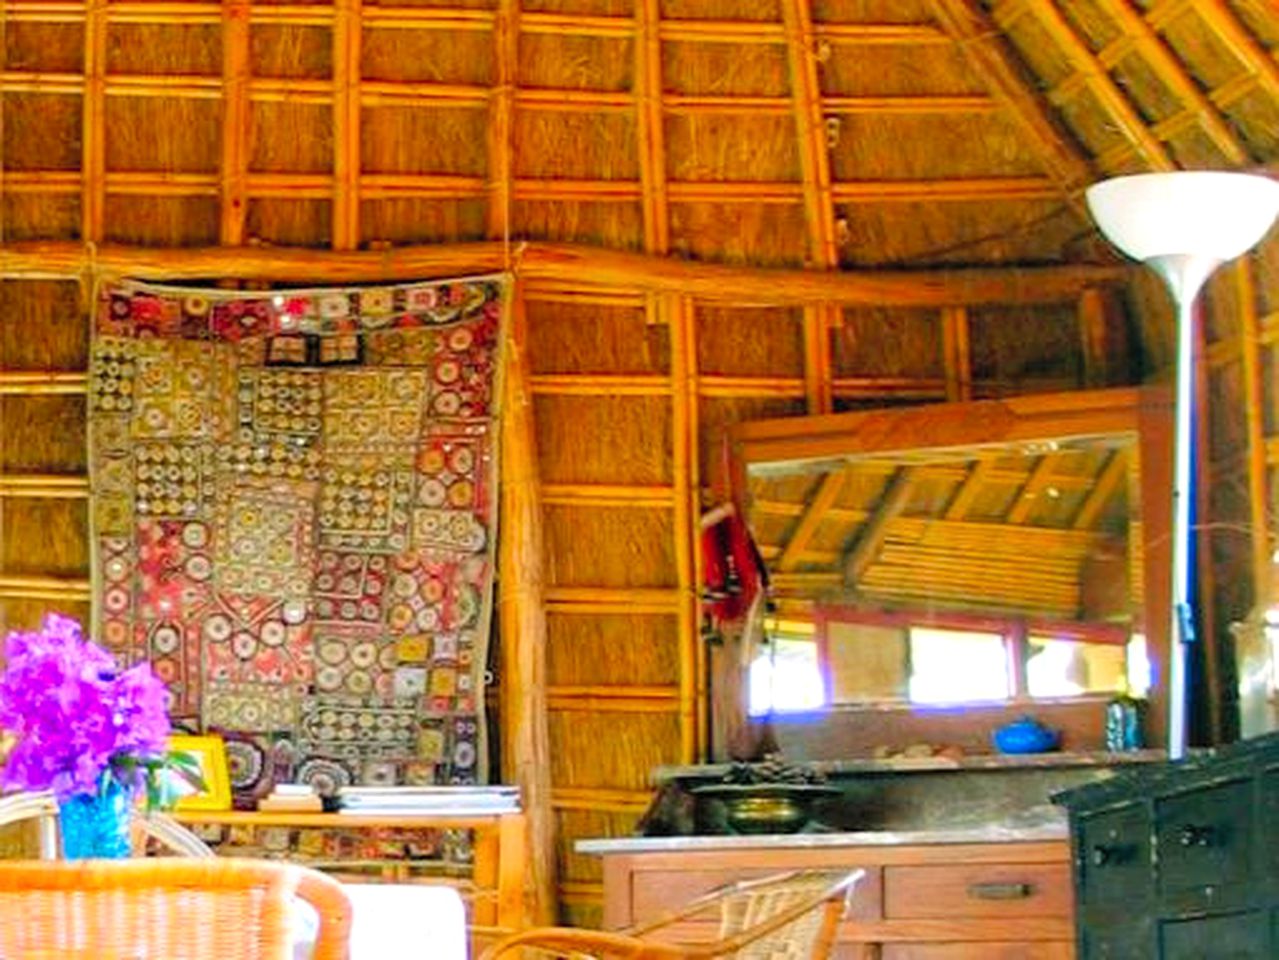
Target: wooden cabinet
(1177, 861)
(919, 901)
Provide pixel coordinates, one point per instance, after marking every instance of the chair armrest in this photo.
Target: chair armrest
(595, 943)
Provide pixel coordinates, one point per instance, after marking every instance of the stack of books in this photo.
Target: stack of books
(428, 801)
(291, 798)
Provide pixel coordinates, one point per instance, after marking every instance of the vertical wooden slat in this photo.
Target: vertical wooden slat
(526, 757)
(680, 318)
(1091, 312)
(93, 136)
(501, 120)
(1254, 426)
(817, 359)
(957, 354)
(346, 123)
(235, 119)
(814, 159)
(1206, 593)
(652, 149)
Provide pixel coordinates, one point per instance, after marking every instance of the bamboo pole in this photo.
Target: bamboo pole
(346, 123)
(725, 386)
(93, 122)
(956, 354)
(818, 319)
(832, 486)
(1107, 93)
(26, 383)
(501, 120)
(235, 119)
(979, 40)
(601, 384)
(649, 125)
(525, 737)
(20, 586)
(1254, 427)
(43, 487)
(650, 599)
(679, 316)
(708, 283)
(608, 495)
(1112, 477)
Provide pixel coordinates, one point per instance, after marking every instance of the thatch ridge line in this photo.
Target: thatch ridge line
(706, 282)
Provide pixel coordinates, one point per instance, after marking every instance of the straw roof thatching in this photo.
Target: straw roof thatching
(853, 142)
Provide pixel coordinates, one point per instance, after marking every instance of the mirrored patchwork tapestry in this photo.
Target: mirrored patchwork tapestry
(294, 519)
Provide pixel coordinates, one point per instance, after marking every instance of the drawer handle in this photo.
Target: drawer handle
(1197, 836)
(1000, 891)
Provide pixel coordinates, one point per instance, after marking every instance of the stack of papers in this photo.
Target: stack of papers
(428, 801)
(291, 798)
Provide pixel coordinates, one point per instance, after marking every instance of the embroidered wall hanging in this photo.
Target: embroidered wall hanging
(294, 519)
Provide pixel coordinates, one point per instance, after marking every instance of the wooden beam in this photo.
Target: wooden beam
(982, 44)
(681, 323)
(708, 283)
(526, 757)
(872, 536)
(827, 493)
(956, 354)
(818, 380)
(1091, 314)
(235, 120)
(1170, 70)
(1039, 478)
(649, 125)
(1113, 100)
(968, 490)
(346, 123)
(1113, 477)
(1222, 21)
(501, 119)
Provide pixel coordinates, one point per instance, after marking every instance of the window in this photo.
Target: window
(785, 676)
(954, 666)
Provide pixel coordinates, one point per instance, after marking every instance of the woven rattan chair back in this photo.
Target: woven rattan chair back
(164, 909)
(149, 832)
(751, 907)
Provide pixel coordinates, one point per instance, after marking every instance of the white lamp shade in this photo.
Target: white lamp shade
(1204, 214)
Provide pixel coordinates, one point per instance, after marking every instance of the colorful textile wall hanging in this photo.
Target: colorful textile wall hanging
(294, 519)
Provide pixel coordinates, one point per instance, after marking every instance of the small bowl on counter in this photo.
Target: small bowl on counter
(759, 808)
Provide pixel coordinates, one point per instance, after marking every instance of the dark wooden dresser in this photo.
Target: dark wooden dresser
(1180, 861)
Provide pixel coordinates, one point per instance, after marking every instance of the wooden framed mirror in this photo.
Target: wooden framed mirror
(957, 565)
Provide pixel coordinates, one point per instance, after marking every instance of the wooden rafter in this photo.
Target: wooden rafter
(652, 149)
(1112, 478)
(896, 495)
(93, 162)
(968, 490)
(827, 493)
(235, 120)
(1222, 21)
(501, 119)
(992, 59)
(1173, 73)
(1107, 93)
(346, 123)
(1038, 480)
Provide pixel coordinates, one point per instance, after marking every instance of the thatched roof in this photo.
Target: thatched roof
(818, 132)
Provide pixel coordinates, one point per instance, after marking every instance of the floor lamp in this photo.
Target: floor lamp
(1184, 225)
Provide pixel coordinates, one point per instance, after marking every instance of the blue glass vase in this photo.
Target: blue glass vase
(96, 825)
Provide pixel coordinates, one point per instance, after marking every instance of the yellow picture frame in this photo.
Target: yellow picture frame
(210, 753)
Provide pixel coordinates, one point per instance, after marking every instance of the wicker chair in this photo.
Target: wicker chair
(791, 916)
(43, 810)
(165, 909)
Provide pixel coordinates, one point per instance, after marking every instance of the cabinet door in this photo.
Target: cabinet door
(1113, 856)
(978, 951)
(1205, 846)
(1124, 941)
(1232, 937)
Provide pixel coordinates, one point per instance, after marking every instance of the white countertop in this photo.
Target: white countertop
(986, 833)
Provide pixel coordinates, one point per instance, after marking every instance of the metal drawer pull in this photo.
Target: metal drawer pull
(1000, 891)
(1195, 836)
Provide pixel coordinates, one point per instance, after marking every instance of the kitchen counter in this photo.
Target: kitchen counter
(1053, 830)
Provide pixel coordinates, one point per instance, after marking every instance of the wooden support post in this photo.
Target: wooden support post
(819, 318)
(526, 759)
(346, 123)
(235, 120)
(1254, 426)
(501, 120)
(957, 354)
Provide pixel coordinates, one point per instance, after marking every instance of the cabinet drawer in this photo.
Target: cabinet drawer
(1235, 937)
(1113, 856)
(980, 890)
(1205, 843)
(1126, 941)
(978, 951)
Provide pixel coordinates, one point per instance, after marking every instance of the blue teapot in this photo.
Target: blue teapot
(1025, 735)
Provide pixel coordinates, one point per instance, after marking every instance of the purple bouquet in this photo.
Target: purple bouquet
(78, 719)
